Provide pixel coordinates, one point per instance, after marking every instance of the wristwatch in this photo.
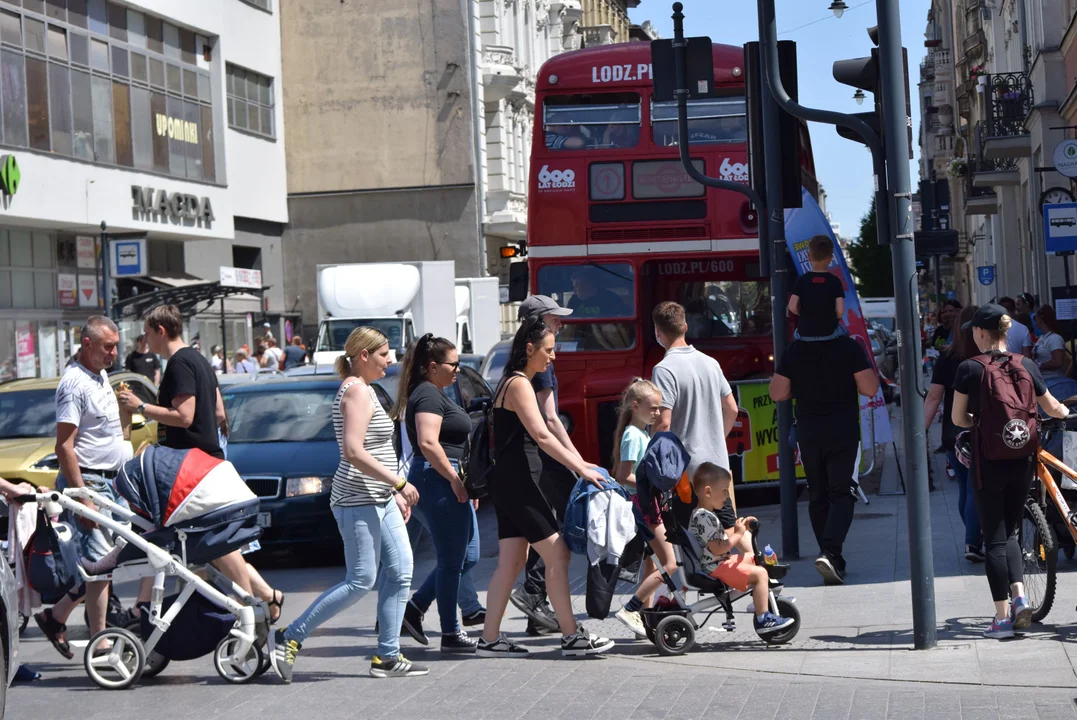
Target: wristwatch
(140, 408)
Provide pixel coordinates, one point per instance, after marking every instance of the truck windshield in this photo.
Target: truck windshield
(334, 333)
(592, 291)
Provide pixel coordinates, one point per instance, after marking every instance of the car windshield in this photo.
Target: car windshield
(496, 366)
(334, 333)
(27, 414)
(280, 415)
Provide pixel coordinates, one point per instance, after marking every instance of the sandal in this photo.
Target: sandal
(53, 629)
(274, 603)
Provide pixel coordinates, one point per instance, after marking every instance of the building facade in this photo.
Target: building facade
(415, 144)
(149, 119)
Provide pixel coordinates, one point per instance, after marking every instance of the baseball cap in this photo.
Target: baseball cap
(987, 317)
(538, 305)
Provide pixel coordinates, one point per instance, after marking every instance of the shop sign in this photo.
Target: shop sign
(1066, 158)
(241, 278)
(25, 357)
(10, 176)
(149, 202)
(88, 291)
(86, 250)
(176, 128)
(67, 285)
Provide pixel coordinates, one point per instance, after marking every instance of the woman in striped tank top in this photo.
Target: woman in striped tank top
(371, 505)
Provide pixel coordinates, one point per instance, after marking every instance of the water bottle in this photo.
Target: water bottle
(769, 556)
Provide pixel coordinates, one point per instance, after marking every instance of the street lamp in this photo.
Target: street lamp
(859, 96)
(838, 7)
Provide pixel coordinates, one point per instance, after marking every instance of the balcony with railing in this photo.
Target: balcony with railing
(974, 42)
(943, 60)
(979, 200)
(1007, 100)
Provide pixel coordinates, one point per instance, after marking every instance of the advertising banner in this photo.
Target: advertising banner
(25, 356)
(801, 224)
(754, 438)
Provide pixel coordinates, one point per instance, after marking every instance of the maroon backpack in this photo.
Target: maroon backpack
(1006, 426)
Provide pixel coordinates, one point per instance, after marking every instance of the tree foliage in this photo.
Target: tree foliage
(870, 263)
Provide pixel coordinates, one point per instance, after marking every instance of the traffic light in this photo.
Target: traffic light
(790, 127)
(864, 73)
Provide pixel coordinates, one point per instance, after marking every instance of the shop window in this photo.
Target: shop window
(119, 61)
(117, 22)
(98, 16)
(5, 249)
(251, 100)
(157, 73)
(22, 290)
(42, 244)
(165, 256)
(209, 167)
(22, 249)
(172, 43)
(136, 28)
(38, 103)
(56, 9)
(138, 68)
(80, 49)
(174, 78)
(76, 12)
(35, 35)
(155, 35)
(60, 101)
(14, 98)
(44, 290)
(104, 149)
(57, 43)
(121, 115)
(99, 55)
(187, 47)
(37, 6)
(66, 253)
(245, 256)
(10, 28)
(142, 128)
(177, 155)
(191, 141)
(5, 295)
(158, 108)
(82, 110)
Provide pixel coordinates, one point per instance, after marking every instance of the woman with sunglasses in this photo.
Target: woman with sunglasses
(438, 430)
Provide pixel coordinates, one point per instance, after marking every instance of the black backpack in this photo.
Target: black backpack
(50, 560)
(479, 456)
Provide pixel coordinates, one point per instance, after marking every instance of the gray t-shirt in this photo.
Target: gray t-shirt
(88, 402)
(693, 386)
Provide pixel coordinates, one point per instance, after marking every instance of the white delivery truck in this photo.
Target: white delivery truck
(478, 315)
(880, 310)
(402, 300)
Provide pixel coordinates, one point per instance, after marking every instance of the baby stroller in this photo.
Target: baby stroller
(672, 626)
(192, 509)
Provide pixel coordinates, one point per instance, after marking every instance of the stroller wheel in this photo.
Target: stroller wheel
(118, 667)
(237, 670)
(155, 665)
(675, 635)
(786, 608)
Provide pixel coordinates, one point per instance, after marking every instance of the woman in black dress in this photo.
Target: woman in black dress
(524, 517)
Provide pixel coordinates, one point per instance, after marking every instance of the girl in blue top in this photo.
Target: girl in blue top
(640, 407)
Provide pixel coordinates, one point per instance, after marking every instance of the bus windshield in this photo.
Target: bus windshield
(593, 291)
(578, 122)
(710, 122)
(726, 308)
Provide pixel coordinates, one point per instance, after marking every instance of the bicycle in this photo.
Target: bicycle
(1046, 513)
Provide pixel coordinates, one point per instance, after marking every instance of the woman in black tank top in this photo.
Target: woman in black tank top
(524, 517)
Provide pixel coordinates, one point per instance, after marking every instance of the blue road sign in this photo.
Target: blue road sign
(1060, 227)
(986, 274)
(128, 258)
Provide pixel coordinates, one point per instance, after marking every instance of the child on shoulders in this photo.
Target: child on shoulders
(818, 298)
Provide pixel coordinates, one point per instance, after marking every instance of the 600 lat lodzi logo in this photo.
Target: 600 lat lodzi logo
(556, 179)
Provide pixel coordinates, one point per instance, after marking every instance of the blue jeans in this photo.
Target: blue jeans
(454, 528)
(966, 506)
(97, 543)
(371, 534)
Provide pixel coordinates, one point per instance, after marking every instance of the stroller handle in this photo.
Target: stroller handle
(754, 527)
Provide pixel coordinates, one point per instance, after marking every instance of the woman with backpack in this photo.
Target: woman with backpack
(438, 430)
(942, 392)
(524, 516)
(996, 394)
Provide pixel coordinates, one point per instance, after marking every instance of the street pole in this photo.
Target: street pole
(779, 292)
(224, 341)
(938, 283)
(892, 81)
(106, 270)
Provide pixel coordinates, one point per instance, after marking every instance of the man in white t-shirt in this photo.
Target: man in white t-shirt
(92, 434)
(273, 354)
(1018, 338)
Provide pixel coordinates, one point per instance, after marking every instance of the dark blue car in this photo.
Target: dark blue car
(282, 444)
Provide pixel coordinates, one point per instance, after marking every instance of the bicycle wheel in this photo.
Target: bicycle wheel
(1039, 553)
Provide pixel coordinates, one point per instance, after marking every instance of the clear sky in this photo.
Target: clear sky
(843, 167)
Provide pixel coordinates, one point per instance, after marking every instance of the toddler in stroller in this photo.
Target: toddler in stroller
(671, 625)
(192, 509)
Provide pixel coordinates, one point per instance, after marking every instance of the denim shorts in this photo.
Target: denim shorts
(97, 543)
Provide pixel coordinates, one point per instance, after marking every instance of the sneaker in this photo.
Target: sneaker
(999, 629)
(396, 667)
(458, 643)
(476, 618)
(633, 621)
(771, 623)
(584, 643)
(413, 624)
(1020, 613)
(831, 574)
(282, 655)
(974, 554)
(535, 630)
(502, 647)
(534, 607)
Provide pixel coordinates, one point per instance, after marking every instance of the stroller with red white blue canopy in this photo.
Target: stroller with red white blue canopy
(191, 509)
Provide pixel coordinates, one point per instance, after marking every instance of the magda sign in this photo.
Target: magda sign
(152, 204)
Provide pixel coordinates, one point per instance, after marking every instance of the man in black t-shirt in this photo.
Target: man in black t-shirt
(190, 408)
(827, 379)
(144, 362)
(556, 481)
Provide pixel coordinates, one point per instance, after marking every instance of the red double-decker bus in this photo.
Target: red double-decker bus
(616, 226)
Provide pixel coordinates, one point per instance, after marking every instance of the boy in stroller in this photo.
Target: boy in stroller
(738, 571)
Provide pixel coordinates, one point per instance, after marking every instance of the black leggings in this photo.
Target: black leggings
(1000, 504)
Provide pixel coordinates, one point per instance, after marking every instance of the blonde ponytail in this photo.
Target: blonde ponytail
(343, 366)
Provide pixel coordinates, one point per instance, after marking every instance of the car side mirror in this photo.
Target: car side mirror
(477, 404)
(891, 350)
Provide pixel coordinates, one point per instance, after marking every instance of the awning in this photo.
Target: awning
(190, 294)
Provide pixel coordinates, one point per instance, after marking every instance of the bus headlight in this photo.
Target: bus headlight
(307, 486)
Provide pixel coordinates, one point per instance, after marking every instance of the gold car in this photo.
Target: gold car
(28, 426)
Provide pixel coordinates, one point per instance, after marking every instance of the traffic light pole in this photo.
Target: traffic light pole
(892, 82)
(779, 292)
(894, 227)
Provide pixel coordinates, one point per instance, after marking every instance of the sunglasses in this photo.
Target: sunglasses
(453, 365)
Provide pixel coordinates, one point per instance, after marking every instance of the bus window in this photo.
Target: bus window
(592, 291)
(710, 122)
(728, 308)
(592, 122)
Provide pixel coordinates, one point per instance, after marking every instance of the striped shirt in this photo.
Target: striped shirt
(351, 486)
